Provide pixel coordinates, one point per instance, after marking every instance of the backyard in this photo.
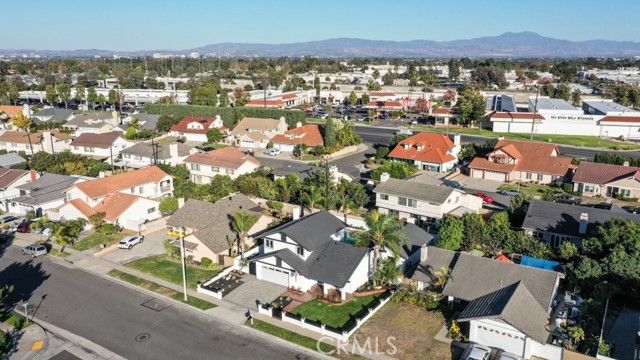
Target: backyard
(93, 241)
(169, 270)
(332, 315)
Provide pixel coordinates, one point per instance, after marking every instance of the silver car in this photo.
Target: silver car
(34, 250)
(477, 352)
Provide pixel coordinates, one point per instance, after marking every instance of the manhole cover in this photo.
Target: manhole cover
(143, 337)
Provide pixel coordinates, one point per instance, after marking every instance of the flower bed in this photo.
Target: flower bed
(224, 285)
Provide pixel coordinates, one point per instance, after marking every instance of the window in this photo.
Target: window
(555, 178)
(412, 203)
(133, 190)
(126, 156)
(384, 197)
(589, 188)
(529, 176)
(268, 244)
(140, 190)
(230, 171)
(195, 167)
(2, 143)
(300, 250)
(540, 176)
(394, 213)
(137, 157)
(14, 144)
(402, 201)
(215, 169)
(151, 210)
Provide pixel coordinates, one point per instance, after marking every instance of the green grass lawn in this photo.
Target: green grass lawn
(529, 188)
(13, 319)
(165, 140)
(134, 280)
(332, 315)
(94, 240)
(290, 336)
(166, 269)
(5, 344)
(213, 146)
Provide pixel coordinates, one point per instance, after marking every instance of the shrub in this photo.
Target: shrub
(206, 262)
(425, 299)
(169, 204)
(108, 229)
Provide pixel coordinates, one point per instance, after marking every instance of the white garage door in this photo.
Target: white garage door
(499, 338)
(494, 175)
(476, 174)
(275, 275)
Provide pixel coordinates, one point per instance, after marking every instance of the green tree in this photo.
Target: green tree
(214, 136)
(241, 97)
(442, 276)
(353, 98)
(64, 93)
(467, 151)
(454, 69)
(471, 107)
(80, 92)
(241, 223)
(397, 138)
(23, 122)
(329, 134)
(365, 99)
(450, 233)
(97, 219)
(384, 230)
(388, 272)
(112, 97)
(474, 228)
(548, 195)
(518, 206)
(224, 98)
(395, 169)
(92, 97)
(373, 85)
(576, 98)
(312, 197)
(173, 252)
(168, 205)
(14, 94)
(50, 94)
(204, 95)
(375, 74)
(498, 233)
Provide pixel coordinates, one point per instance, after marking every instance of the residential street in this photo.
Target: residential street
(115, 317)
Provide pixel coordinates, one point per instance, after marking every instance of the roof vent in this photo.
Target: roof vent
(626, 163)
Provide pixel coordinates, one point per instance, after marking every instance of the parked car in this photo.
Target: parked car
(405, 132)
(567, 199)
(512, 192)
(384, 116)
(509, 356)
(34, 250)
(485, 198)
(272, 152)
(477, 352)
(5, 238)
(7, 219)
(632, 209)
(414, 122)
(23, 227)
(130, 241)
(366, 118)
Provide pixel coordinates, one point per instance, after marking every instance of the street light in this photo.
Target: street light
(184, 265)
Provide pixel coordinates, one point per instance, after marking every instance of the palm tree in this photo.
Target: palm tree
(312, 197)
(442, 276)
(576, 333)
(241, 224)
(384, 230)
(23, 122)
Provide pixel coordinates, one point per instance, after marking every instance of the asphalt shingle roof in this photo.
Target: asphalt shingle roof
(146, 150)
(47, 188)
(436, 259)
(597, 173)
(421, 191)
(9, 159)
(417, 238)
(56, 115)
(311, 231)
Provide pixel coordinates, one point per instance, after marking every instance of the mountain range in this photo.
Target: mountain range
(521, 44)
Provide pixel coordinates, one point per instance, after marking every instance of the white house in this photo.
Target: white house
(194, 128)
(10, 182)
(255, 133)
(95, 123)
(100, 146)
(145, 154)
(204, 166)
(314, 250)
(50, 141)
(43, 194)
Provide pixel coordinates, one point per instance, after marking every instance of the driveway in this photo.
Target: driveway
(152, 245)
(480, 184)
(253, 289)
(623, 334)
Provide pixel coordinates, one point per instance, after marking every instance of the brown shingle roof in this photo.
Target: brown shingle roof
(309, 135)
(597, 173)
(114, 183)
(21, 137)
(184, 123)
(537, 158)
(8, 176)
(102, 141)
(228, 158)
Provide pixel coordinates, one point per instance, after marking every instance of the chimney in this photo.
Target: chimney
(626, 163)
(101, 175)
(584, 220)
(180, 202)
(424, 252)
(193, 150)
(500, 137)
(384, 177)
(456, 140)
(115, 120)
(296, 212)
(26, 110)
(173, 150)
(34, 175)
(298, 124)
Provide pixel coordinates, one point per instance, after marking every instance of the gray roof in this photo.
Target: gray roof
(301, 169)
(419, 191)
(47, 188)
(564, 219)
(93, 120)
(212, 221)
(417, 239)
(333, 263)
(545, 103)
(604, 107)
(148, 121)
(436, 259)
(513, 304)
(311, 231)
(475, 276)
(7, 160)
(54, 115)
(144, 149)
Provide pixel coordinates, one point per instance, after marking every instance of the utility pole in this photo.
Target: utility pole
(606, 307)
(184, 265)
(326, 183)
(535, 110)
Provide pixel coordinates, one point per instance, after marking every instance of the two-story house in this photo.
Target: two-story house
(309, 135)
(105, 146)
(422, 202)
(528, 161)
(96, 123)
(129, 199)
(145, 154)
(312, 250)
(207, 227)
(194, 128)
(230, 161)
(428, 151)
(53, 115)
(255, 133)
(50, 141)
(593, 179)
(46, 193)
(10, 181)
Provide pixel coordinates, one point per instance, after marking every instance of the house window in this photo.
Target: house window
(529, 176)
(540, 176)
(300, 250)
(384, 197)
(133, 190)
(589, 188)
(394, 213)
(230, 171)
(268, 244)
(2, 143)
(126, 156)
(402, 201)
(555, 178)
(151, 210)
(412, 203)
(137, 157)
(140, 190)
(14, 145)
(195, 167)
(215, 169)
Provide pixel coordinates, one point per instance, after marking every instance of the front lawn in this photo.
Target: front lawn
(333, 315)
(290, 336)
(412, 328)
(209, 147)
(5, 344)
(169, 270)
(530, 188)
(13, 319)
(93, 241)
(134, 280)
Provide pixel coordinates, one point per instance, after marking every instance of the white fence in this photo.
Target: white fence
(339, 334)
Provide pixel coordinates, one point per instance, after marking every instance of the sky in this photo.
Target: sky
(185, 24)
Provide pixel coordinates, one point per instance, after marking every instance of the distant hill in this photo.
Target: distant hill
(522, 44)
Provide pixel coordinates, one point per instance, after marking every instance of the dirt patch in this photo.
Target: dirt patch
(413, 329)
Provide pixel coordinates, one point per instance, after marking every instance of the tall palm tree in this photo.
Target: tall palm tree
(23, 122)
(384, 230)
(241, 224)
(312, 197)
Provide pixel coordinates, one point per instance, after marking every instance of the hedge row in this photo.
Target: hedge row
(229, 115)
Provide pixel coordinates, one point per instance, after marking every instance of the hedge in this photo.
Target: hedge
(229, 115)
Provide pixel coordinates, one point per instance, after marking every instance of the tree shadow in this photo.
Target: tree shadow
(25, 277)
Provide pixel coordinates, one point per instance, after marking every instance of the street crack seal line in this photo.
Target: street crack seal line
(143, 337)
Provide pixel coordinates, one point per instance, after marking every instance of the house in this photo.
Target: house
(255, 133)
(596, 179)
(95, 123)
(420, 200)
(50, 141)
(417, 238)
(129, 199)
(53, 115)
(443, 116)
(309, 135)
(428, 151)
(303, 171)
(309, 251)
(145, 154)
(507, 304)
(204, 166)
(147, 122)
(555, 223)
(46, 193)
(10, 180)
(194, 128)
(102, 146)
(10, 159)
(207, 228)
(513, 160)
(7, 112)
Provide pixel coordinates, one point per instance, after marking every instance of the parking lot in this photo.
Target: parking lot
(152, 245)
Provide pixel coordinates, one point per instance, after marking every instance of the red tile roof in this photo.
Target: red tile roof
(261, 103)
(10, 110)
(228, 158)
(310, 135)
(380, 94)
(535, 157)
(624, 119)
(600, 174)
(101, 141)
(516, 115)
(113, 205)
(114, 183)
(205, 121)
(289, 96)
(484, 164)
(435, 148)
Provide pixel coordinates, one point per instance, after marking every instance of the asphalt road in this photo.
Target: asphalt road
(112, 315)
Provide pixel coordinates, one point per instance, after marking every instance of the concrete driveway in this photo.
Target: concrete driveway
(152, 245)
(253, 289)
(623, 334)
(480, 184)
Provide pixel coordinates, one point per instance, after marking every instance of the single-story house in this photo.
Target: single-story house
(593, 179)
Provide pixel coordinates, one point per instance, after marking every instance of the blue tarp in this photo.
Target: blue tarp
(540, 263)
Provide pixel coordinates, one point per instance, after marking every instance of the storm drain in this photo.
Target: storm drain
(156, 304)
